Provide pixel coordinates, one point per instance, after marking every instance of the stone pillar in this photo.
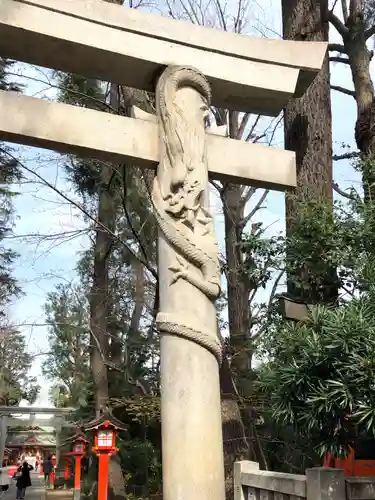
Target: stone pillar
(189, 274)
(58, 428)
(323, 483)
(3, 436)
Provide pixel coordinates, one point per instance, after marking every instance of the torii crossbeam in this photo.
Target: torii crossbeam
(189, 67)
(130, 47)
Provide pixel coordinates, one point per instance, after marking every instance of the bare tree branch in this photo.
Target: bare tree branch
(370, 32)
(243, 124)
(102, 104)
(342, 60)
(336, 23)
(270, 301)
(257, 207)
(216, 186)
(337, 47)
(247, 194)
(238, 19)
(124, 197)
(345, 13)
(221, 15)
(346, 195)
(81, 209)
(253, 127)
(351, 93)
(346, 156)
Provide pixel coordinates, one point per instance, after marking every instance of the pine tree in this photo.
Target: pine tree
(67, 362)
(15, 363)
(9, 173)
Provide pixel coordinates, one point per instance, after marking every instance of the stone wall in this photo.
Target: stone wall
(318, 483)
(360, 488)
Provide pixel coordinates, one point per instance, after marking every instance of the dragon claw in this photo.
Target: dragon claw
(179, 275)
(180, 270)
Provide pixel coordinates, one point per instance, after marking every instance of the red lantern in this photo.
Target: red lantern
(104, 428)
(79, 447)
(105, 438)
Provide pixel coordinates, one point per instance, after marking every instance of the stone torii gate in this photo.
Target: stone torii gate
(6, 412)
(189, 67)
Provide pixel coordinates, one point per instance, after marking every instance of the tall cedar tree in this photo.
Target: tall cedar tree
(308, 132)
(357, 27)
(9, 173)
(15, 362)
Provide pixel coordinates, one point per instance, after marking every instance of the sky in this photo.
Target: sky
(44, 263)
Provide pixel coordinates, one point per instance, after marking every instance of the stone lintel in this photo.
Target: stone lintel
(308, 58)
(85, 132)
(101, 47)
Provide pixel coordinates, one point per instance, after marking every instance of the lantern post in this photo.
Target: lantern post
(105, 428)
(67, 467)
(79, 449)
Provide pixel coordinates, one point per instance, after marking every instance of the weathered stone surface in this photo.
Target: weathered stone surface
(360, 488)
(93, 40)
(324, 483)
(189, 284)
(287, 484)
(307, 58)
(85, 132)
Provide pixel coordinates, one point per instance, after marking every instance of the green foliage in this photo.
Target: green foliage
(317, 376)
(15, 363)
(320, 377)
(331, 249)
(9, 173)
(67, 362)
(142, 461)
(138, 409)
(314, 250)
(263, 256)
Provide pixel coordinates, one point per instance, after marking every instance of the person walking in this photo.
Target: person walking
(23, 480)
(47, 469)
(4, 478)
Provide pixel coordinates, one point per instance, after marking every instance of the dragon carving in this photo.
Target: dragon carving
(179, 192)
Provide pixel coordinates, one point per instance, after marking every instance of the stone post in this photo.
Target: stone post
(189, 274)
(238, 468)
(58, 429)
(325, 484)
(3, 436)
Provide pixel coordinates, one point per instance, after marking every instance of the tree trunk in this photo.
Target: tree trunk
(308, 126)
(107, 208)
(98, 297)
(238, 288)
(235, 376)
(359, 58)
(236, 446)
(99, 293)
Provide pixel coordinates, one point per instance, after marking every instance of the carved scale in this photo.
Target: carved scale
(180, 196)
